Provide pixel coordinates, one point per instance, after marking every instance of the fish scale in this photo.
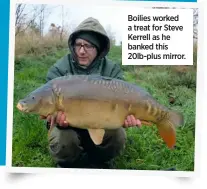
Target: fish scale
(110, 83)
(98, 103)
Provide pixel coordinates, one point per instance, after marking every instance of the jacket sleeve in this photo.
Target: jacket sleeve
(60, 68)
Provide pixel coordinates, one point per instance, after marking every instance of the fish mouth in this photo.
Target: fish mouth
(22, 107)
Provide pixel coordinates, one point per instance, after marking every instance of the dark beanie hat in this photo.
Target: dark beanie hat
(91, 38)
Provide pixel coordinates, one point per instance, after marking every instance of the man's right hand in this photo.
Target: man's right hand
(60, 119)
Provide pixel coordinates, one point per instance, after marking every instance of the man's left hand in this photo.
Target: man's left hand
(131, 121)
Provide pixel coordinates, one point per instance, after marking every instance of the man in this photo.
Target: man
(70, 147)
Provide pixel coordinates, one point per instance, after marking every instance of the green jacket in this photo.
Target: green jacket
(68, 65)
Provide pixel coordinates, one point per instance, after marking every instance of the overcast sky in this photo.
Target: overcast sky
(107, 16)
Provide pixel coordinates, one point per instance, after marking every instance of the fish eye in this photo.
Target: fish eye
(33, 98)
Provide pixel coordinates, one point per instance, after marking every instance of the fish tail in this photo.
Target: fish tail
(167, 128)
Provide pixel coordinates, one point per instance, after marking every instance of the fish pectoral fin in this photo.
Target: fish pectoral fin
(96, 135)
(52, 122)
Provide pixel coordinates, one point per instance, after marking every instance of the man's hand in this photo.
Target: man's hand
(60, 119)
(131, 121)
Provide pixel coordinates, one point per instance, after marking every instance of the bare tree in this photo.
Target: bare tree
(195, 23)
(54, 30)
(41, 19)
(25, 20)
(110, 34)
(20, 17)
(65, 29)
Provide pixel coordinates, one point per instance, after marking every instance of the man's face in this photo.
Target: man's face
(85, 51)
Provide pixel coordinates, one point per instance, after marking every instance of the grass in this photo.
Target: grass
(144, 148)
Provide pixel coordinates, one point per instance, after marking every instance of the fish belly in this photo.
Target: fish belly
(95, 114)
